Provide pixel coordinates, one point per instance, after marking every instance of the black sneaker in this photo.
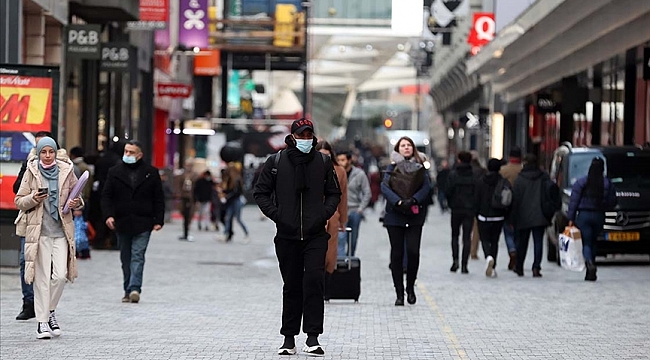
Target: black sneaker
(43, 331)
(316, 351)
(53, 324)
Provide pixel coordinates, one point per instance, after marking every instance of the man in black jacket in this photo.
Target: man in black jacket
(460, 196)
(490, 218)
(307, 194)
(133, 204)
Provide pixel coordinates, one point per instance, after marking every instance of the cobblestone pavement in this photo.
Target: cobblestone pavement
(212, 300)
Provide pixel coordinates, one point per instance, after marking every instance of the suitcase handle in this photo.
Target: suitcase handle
(348, 231)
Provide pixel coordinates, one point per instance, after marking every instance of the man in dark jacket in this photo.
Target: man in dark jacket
(306, 195)
(460, 196)
(490, 219)
(527, 215)
(203, 195)
(133, 204)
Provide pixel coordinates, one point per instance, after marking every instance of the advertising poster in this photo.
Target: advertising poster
(28, 104)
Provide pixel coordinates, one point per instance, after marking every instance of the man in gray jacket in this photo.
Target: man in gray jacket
(358, 199)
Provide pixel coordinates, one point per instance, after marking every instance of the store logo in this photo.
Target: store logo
(83, 37)
(194, 16)
(622, 218)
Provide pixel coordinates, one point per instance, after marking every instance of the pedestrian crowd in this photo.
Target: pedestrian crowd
(317, 199)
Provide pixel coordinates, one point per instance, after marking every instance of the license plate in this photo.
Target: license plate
(623, 236)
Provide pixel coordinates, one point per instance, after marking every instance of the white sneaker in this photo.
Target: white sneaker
(43, 331)
(287, 351)
(316, 351)
(489, 266)
(53, 324)
(494, 273)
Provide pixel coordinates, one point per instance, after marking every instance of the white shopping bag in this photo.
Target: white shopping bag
(570, 243)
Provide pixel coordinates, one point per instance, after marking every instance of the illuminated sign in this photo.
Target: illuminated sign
(25, 103)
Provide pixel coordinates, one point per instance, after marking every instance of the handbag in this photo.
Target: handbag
(406, 178)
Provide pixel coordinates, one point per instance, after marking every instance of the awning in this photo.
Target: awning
(559, 38)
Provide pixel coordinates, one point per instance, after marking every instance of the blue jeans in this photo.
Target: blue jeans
(354, 222)
(523, 236)
(233, 211)
(509, 235)
(590, 224)
(28, 289)
(132, 249)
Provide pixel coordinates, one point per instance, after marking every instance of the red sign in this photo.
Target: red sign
(154, 10)
(174, 90)
(482, 32)
(207, 63)
(25, 103)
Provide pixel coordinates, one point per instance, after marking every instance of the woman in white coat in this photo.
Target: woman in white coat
(49, 238)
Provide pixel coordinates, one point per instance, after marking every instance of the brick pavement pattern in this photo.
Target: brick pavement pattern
(213, 300)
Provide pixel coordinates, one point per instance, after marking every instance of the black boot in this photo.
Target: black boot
(591, 272)
(400, 297)
(27, 312)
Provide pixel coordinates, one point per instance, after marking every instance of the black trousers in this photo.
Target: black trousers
(186, 207)
(466, 221)
(411, 236)
(302, 264)
(489, 232)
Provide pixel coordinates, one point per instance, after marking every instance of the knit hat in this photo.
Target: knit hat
(46, 141)
(494, 164)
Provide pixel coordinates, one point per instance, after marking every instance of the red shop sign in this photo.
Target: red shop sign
(174, 90)
(483, 30)
(154, 10)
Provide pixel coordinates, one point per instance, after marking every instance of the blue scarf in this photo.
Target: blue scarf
(52, 177)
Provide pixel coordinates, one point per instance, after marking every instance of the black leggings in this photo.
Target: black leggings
(398, 236)
(490, 231)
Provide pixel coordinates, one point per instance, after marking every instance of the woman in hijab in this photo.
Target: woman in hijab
(49, 241)
(405, 216)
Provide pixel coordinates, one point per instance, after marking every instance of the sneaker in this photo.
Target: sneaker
(43, 331)
(494, 273)
(134, 296)
(53, 324)
(489, 266)
(315, 350)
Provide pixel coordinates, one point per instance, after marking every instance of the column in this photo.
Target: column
(35, 39)
(11, 28)
(629, 109)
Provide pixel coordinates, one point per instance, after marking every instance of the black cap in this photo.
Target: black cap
(494, 164)
(298, 126)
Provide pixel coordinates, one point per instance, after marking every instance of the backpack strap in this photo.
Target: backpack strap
(276, 161)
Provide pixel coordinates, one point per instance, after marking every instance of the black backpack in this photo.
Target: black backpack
(551, 201)
(502, 196)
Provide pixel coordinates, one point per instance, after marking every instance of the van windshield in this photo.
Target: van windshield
(623, 168)
(629, 168)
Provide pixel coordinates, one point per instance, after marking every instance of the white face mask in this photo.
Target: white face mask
(304, 145)
(129, 159)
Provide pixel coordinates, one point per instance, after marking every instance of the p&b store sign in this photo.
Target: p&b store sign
(117, 57)
(83, 41)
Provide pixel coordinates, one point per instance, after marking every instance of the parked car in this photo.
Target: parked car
(627, 227)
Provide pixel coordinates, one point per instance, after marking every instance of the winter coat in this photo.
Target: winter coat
(135, 205)
(203, 189)
(21, 224)
(33, 214)
(581, 201)
(526, 211)
(393, 217)
(358, 189)
(298, 215)
(461, 189)
(337, 221)
(485, 187)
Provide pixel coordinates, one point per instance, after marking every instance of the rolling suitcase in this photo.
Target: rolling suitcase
(345, 282)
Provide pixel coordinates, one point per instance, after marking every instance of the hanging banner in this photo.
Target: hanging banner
(154, 15)
(174, 90)
(117, 57)
(482, 32)
(193, 27)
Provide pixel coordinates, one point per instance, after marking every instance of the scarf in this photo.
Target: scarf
(299, 160)
(51, 174)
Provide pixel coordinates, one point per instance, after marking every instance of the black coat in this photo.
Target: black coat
(298, 216)
(526, 211)
(485, 187)
(133, 196)
(461, 189)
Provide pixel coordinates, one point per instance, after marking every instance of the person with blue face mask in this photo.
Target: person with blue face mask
(307, 194)
(133, 205)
